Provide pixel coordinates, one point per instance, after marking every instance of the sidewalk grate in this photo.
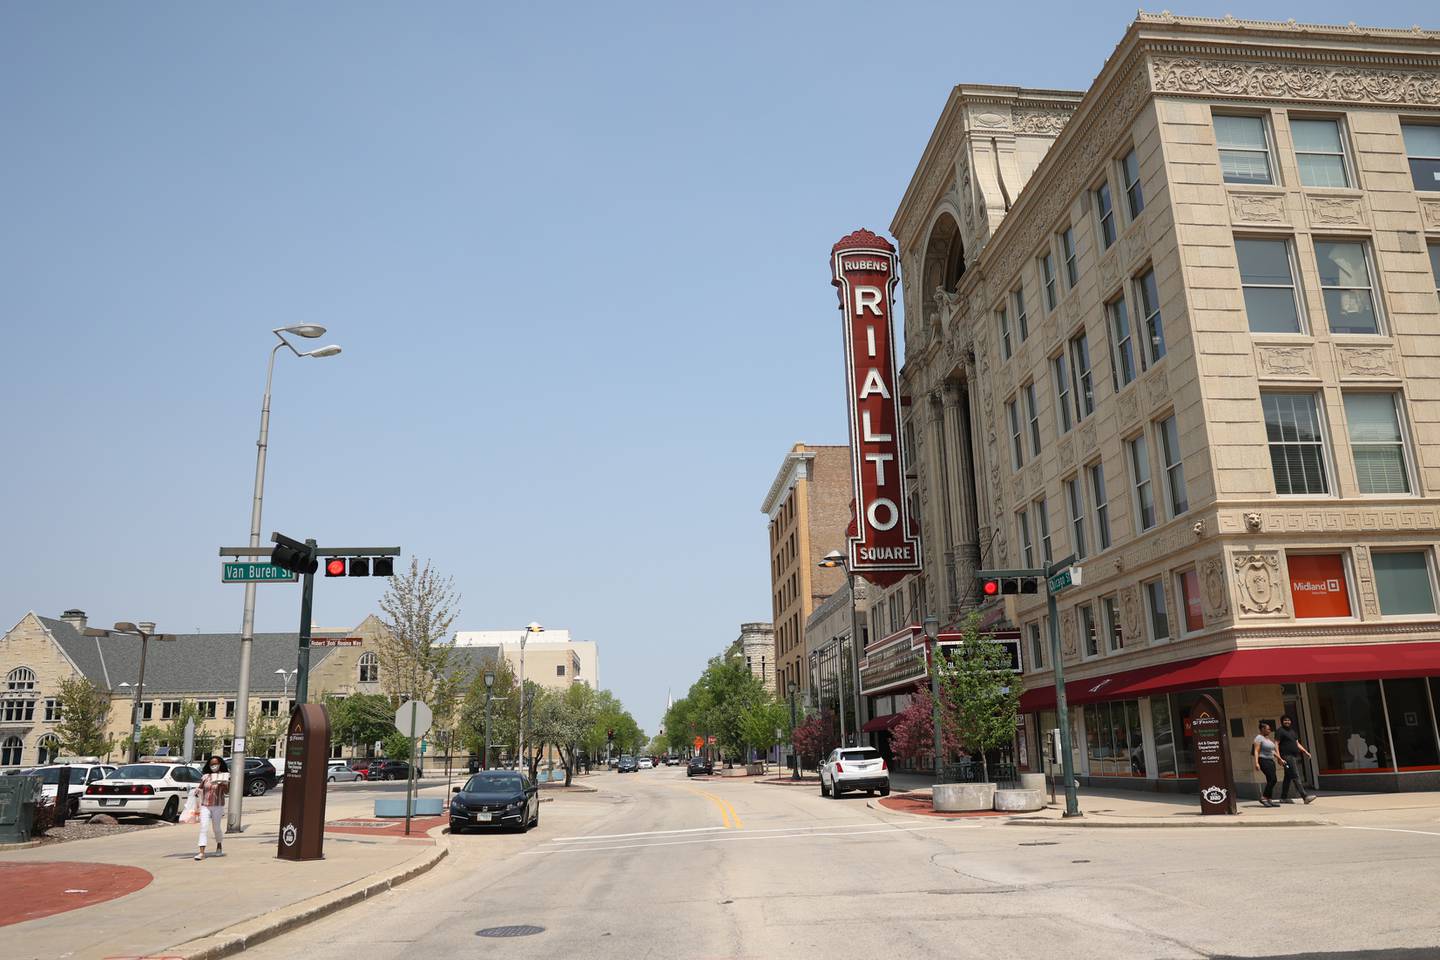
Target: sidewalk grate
(517, 930)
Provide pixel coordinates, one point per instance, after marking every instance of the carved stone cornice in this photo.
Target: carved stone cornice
(1212, 77)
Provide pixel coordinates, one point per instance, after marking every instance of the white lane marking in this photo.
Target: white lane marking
(1428, 833)
(657, 833)
(732, 837)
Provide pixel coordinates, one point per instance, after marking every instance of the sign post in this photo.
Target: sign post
(302, 801)
(412, 719)
(1212, 758)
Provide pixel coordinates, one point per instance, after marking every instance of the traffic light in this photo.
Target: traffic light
(1003, 586)
(359, 566)
(335, 567)
(609, 734)
(293, 555)
(383, 566)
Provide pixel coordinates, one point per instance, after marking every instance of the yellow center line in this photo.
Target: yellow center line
(728, 816)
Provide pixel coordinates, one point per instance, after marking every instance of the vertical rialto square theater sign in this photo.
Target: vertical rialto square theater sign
(883, 544)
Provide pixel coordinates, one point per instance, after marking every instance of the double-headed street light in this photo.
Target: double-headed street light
(287, 676)
(831, 561)
(932, 634)
(791, 688)
(309, 331)
(531, 627)
(489, 688)
(145, 631)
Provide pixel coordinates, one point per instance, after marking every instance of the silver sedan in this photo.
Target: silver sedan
(341, 773)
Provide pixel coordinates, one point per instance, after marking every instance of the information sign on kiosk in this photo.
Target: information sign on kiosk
(302, 801)
(1212, 757)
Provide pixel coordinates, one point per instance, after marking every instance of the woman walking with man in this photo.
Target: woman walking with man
(1263, 751)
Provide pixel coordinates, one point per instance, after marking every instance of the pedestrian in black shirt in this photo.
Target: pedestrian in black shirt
(1291, 752)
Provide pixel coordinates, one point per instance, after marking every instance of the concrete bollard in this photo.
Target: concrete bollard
(959, 797)
(1033, 781)
(1019, 801)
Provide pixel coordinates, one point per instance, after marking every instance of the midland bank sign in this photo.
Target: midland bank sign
(883, 544)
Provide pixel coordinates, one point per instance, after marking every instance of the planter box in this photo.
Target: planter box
(1033, 781)
(1019, 801)
(962, 797)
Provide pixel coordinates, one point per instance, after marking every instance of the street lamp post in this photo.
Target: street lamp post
(530, 628)
(790, 688)
(833, 560)
(247, 622)
(287, 676)
(489, 686)
(126, 628)
(932, 633)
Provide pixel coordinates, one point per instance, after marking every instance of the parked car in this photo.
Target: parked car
(646, 763)
(260, 775)
(147, 789)
(854, 768)
(495, 798)
(81, 776)
(387, 770)
(341, 772)
(699, 765)
(627, 764)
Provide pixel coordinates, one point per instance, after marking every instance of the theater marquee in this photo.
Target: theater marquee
(883, 545)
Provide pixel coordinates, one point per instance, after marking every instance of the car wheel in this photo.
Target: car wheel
(172, 811)
(256, 788)
(835, 790)
(884, 791)
(74, 809)
(329, 779)
(824, 790)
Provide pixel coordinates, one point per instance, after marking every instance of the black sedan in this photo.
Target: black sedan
(388, 770)
(495, 798)
(699, 765)
(627, 765)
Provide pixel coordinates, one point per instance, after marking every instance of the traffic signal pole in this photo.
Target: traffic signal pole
(1062, 705)
(307, 598)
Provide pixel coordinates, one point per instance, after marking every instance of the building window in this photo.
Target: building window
(1244, 149)
(1155, 611)
(1062, 392)
(1089, 636)
(1297, 445)
(1435, 266)
(1122, 371)
(1005, 350)
(170, 709)
(147, 710)
(1345, 283)
(1114, 740)
(52, 710)
(1319, 585)
(1037, 646)
(10, 751)
(1179, 500)
(1113, 629)
(1067, 250)
(20, 680)
(1084, 385)
(48, 748)
(1140, 475)
(229, 709)
(1192, 618)
(1403, 582)
(18, 711)
(1047, 277)
(560, 669)
(1376, 442)
(269, 708)
(1026, 546)
(1022, 320)
(1267, 279)
(1105, 210)
(1099, 503)
(205, 709)
(1077, 517)
(1033, 415)
(1042, 519)
(1017, 449)
(1151, 325)
(1422, 145)
(1319, 153)
(1130, 173)
(369, 668)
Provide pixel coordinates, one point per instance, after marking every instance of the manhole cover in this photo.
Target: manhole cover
(517, 930)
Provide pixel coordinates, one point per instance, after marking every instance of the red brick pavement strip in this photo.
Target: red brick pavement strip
(34, 890)
(919, 804)
(386, 827)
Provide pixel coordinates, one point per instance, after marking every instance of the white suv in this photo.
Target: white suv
(854, 768)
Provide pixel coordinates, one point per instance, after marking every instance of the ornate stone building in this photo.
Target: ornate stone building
(1184, 326)
(756, 644)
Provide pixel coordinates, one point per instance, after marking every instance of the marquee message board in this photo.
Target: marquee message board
(883, 546)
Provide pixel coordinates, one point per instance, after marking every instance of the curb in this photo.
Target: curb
(248, 933)
(1210, 823)
(27, 844)
(958, 815)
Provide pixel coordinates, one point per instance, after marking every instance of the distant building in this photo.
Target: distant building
(552, 659)
(756, 644)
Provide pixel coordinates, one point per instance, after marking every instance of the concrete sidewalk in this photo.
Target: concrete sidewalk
(209, 909)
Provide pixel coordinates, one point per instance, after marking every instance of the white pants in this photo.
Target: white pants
(212, 818)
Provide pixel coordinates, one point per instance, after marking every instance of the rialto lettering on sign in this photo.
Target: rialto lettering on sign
(884, 545)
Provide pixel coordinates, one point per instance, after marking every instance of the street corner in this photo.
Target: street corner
(35, 890)
(919, 805)
(389, 829)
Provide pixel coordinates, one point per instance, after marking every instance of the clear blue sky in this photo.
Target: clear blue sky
(577, 260)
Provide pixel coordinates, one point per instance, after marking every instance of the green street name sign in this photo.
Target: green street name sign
(251, 572)
(1069, 577)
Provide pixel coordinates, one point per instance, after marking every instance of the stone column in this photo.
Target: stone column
(941, 529)
(960, 494)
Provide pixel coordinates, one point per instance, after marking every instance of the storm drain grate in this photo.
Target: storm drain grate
(515, 930)
(1039, 843)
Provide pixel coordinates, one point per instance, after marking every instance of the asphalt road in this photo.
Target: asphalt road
(655, 866)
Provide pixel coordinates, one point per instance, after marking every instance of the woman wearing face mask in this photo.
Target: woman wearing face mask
(214, 784)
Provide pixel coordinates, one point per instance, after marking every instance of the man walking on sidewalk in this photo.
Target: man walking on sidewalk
(1291, 751)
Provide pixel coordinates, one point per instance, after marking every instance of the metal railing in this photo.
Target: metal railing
(1005, 775)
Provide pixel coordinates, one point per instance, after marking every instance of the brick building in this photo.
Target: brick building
(1184, 325)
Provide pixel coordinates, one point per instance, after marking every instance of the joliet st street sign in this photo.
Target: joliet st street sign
(883, 544)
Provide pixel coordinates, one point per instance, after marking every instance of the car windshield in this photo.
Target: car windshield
(51, 775)
(860, 754)
(491, 782)
(140, 771)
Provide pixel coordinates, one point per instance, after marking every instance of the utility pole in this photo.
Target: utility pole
(1062, 705)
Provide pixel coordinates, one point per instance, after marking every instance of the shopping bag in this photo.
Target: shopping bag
(191, 813)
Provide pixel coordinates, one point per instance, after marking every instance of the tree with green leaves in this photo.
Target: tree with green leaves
(764, 724)
(563, 719)
(719, 700)
(419, 608)
(360, 719)
(84, 712)
(978, 692)
(680, 726)
(503, 699)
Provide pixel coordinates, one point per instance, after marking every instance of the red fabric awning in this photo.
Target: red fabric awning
(876, 724)
(1240, 667)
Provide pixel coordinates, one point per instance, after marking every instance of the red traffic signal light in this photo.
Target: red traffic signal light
(990, 587)
(335, 567)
